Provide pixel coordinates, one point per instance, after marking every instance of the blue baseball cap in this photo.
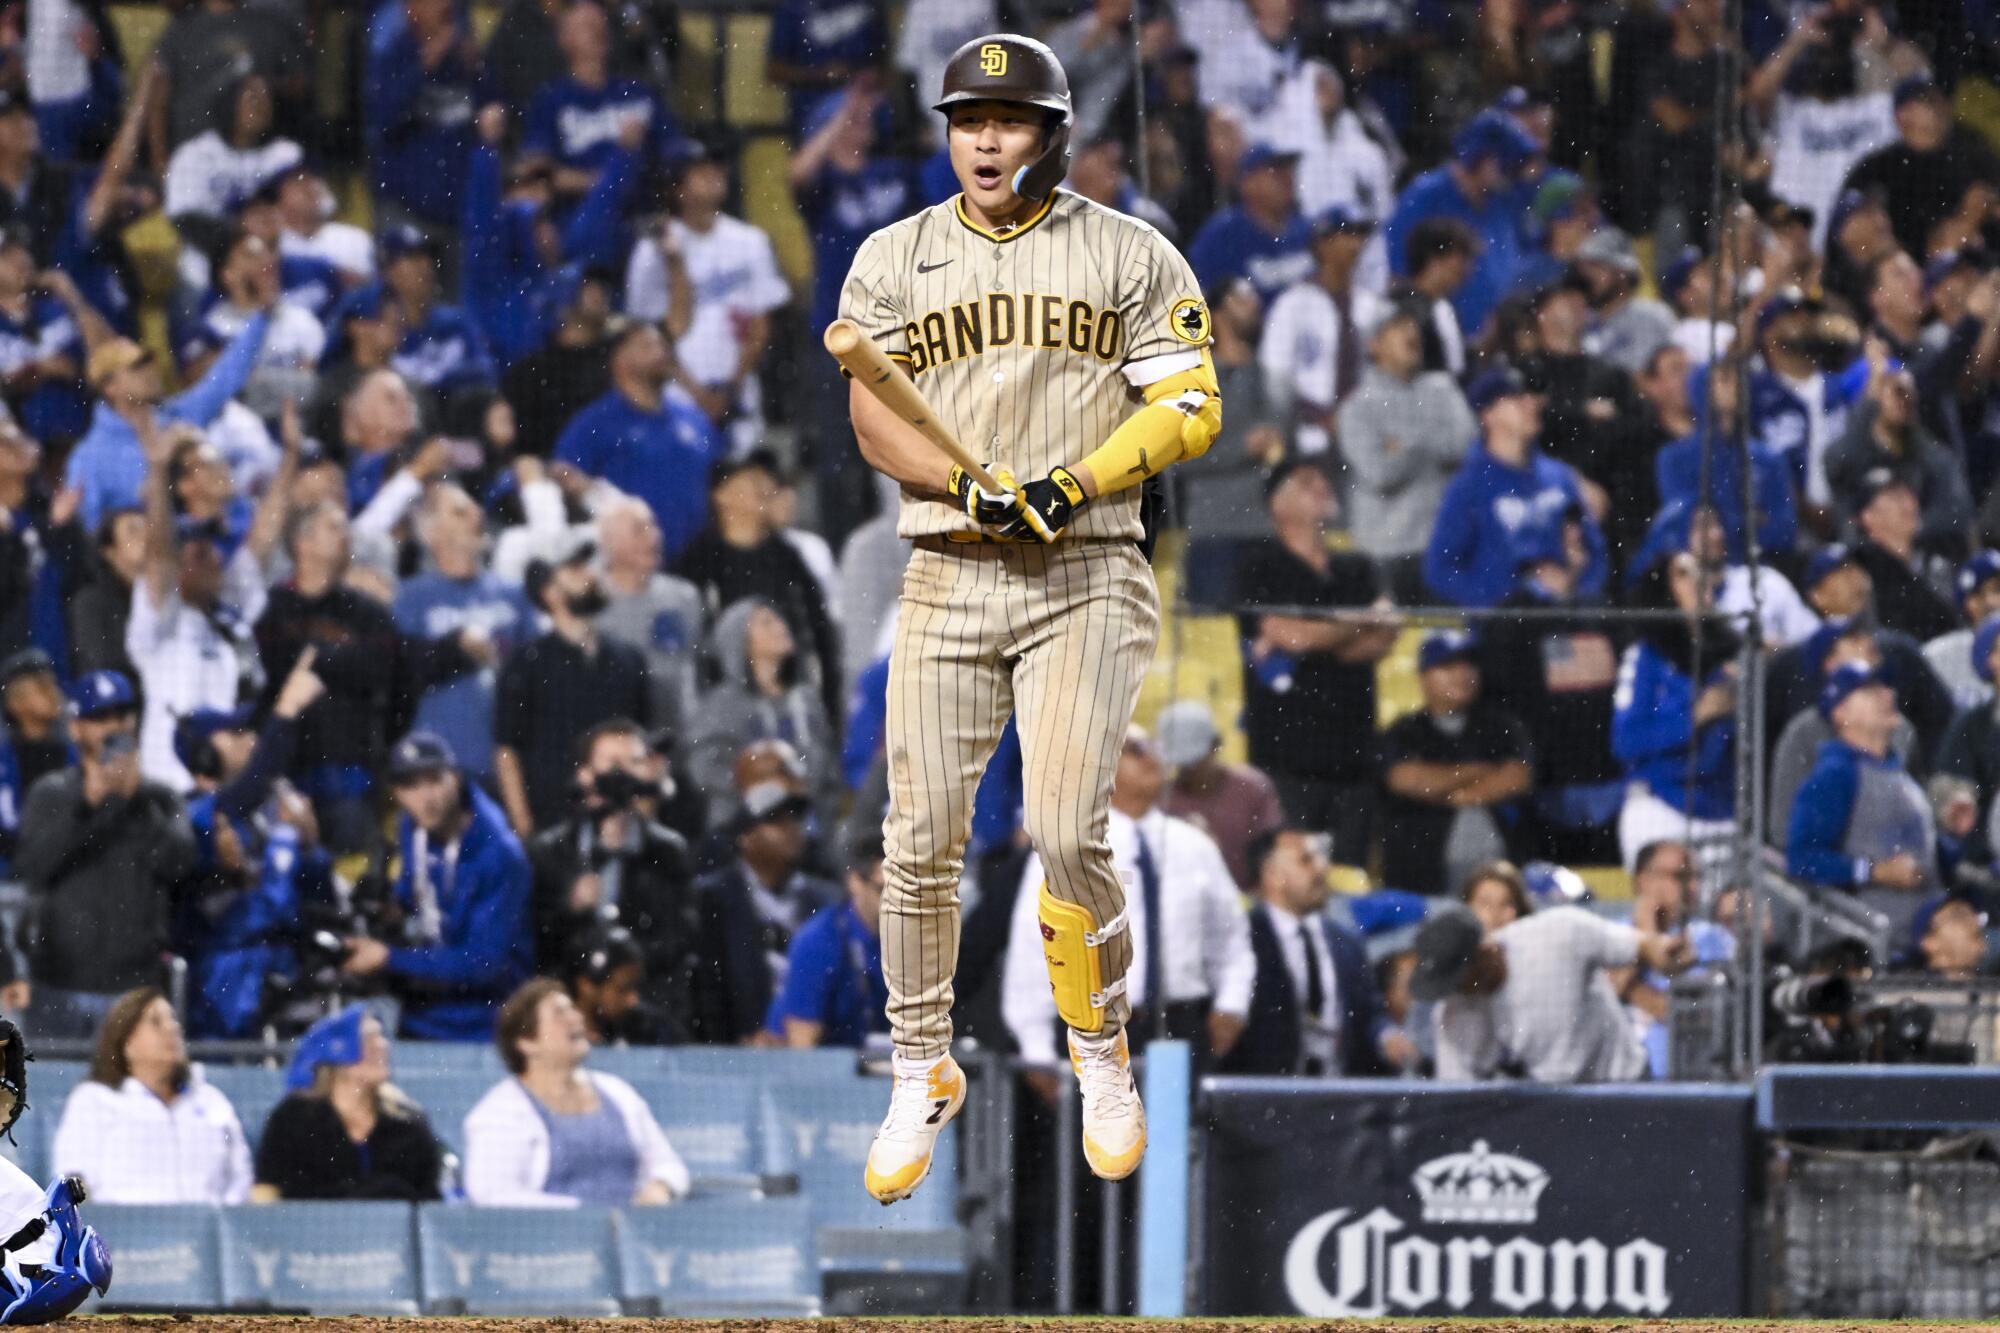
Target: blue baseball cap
(1982, 567)
(1983, 640)
(1920, 924)
(1264, 155)
(1844, 680)
(1552, 885)
(1917, 86)
(190, 731)
(1879, 479)
(420, 754)
(1790, 301)
(334, 1040)
(1445, 646)
(1819, 644)
(401, 239)
(102, 692)
(1490, 386)
(1494, 134)
(1677, 274)
(1340, 218)
(1971, 259)
(1822, 566)
(28, 661)
(1845, 207)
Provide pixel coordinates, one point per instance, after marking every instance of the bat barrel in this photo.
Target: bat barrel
(841, 337)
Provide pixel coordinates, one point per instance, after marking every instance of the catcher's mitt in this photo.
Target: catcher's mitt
(13, 1076)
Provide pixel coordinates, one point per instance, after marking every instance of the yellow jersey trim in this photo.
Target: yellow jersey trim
(958, 206)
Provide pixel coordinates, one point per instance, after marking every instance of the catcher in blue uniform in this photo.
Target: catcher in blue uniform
(49, 1260)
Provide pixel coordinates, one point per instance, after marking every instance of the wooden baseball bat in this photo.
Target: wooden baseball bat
(874, 371)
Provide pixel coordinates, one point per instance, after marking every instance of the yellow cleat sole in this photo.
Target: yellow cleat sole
(897, 1186)
(1107, 1167)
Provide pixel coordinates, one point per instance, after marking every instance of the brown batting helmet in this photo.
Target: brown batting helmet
(1007, 67)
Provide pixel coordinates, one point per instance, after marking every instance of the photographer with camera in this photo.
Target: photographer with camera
(101, 849)
(1861, 825)
(456, 933)
(613, 863)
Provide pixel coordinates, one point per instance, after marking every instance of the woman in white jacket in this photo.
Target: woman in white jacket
(556, 1135)
(144, 1127)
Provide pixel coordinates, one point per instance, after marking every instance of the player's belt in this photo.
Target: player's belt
(1029, 539)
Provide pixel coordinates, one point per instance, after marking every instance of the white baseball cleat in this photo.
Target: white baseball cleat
(1114, 1121)
(927, 1095)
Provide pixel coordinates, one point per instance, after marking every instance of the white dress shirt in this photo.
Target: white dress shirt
(131, 1147)
(1300, 352)
(1319, 1034)
(185, 662)
(1204, 931)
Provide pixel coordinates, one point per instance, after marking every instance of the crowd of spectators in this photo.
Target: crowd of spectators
(485, 611)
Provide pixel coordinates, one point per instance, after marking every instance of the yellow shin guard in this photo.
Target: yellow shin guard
(1071, 940)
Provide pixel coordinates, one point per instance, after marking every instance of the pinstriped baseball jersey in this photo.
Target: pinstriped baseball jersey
(1024, 341)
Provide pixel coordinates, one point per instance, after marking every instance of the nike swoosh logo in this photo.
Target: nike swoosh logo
(932, 268)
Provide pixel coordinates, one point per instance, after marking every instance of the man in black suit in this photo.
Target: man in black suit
(1316, 1009)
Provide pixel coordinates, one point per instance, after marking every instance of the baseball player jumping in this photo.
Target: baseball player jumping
(1067, 343)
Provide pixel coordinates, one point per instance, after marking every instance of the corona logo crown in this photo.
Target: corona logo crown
(1480, 1186)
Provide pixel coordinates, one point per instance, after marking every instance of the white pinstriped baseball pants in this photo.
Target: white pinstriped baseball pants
(1060, 635)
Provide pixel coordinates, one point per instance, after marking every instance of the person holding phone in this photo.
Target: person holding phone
(101, 848)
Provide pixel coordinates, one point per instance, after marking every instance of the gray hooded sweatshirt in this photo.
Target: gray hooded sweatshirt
(1402, 442)
(736, 712)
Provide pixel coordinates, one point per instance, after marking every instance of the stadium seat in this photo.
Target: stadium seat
(631, 1063)
(718, 1258)
(715, 1124)
(324, 1258)
(252, 1089)
(446, 1057)
(518, 1261)
(769, 1067)
(445, 1098)
(163, 1256)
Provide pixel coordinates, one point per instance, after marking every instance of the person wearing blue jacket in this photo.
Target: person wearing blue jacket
(1796, 408)
(1479, 186)
(1677, 468)
(522, 269)
(1861, 824)
(108, 466)
(418, 90)
(1673, 721)
(466, 939)
(1506, 503)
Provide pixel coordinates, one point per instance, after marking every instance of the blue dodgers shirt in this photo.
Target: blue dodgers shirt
(432, 606)
(834, 978)
(662, 457)
(53, 409)
(1232, 245)
(579, 126)
(841, 210)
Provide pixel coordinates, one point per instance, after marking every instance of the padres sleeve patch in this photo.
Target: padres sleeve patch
(1189, 321)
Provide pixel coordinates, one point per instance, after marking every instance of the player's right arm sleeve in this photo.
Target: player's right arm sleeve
(1026, 1003)
(871, 297)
